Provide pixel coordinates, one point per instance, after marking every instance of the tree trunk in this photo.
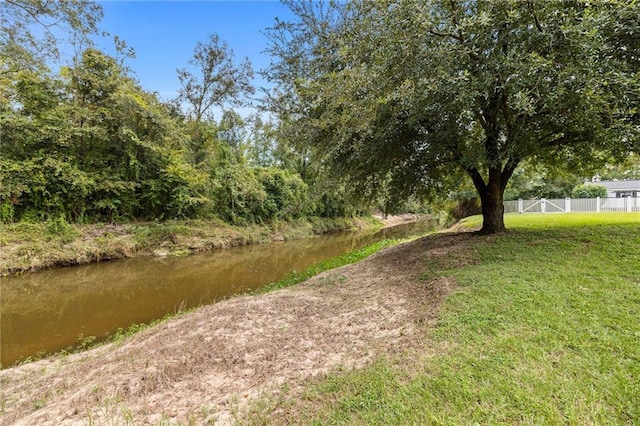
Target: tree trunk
(491, 197)
(492, 212)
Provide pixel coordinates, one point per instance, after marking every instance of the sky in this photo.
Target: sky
(164, 33)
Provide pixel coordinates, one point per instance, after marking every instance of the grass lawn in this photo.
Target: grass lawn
(544, 330)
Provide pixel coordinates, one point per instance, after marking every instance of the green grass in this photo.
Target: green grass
(545, 330)
(530, 221)
(295, 277)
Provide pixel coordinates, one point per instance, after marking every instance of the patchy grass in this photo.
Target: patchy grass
(296, 277)
(546, 330)
(33, 246)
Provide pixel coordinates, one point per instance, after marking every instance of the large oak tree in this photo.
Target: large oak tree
(412, 96)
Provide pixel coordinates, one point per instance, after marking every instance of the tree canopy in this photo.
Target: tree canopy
(214, 78)
(87, 143)
(21, 47)
(409, 97)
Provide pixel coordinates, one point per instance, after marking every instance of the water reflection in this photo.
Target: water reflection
(47, 311)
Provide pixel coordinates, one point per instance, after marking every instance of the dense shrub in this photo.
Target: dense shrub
(90, 145)
(236, 194)
(42, 188)
(589, 191)
(333, 205)
(287, 196)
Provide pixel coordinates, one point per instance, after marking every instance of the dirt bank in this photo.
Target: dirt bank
(393, 220)
(204, 365)
(33, 246)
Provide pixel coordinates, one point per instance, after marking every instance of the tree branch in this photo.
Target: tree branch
(439, 34)
(34, 12)
(535, 17)
(554, 142)
(476, 177)
(507, 171)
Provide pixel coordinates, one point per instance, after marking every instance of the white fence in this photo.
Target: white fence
(565, 205)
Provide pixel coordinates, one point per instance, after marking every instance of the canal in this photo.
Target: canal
(47, 311)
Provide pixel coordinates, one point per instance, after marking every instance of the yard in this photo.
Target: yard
(545, 329)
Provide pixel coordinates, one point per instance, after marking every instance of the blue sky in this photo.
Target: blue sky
(164, 33)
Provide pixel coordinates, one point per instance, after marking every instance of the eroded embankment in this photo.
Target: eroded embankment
(33, 246)
(204, 365)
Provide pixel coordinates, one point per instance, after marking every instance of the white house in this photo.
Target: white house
(619, 188)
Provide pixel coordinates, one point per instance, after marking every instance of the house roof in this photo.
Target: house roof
(618, 185)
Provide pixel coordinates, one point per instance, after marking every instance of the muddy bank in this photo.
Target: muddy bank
(29, 247)
(207, 364)
(394, 220)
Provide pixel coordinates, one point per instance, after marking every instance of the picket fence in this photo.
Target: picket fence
(566, 205)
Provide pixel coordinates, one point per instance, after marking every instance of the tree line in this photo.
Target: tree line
(397, 101)
(87, 143)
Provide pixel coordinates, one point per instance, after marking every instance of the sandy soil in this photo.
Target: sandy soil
(394, 220)
(202, 366)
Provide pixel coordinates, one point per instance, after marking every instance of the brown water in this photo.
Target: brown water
(47, 311)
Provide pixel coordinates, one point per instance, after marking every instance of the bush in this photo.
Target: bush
(334, 205)
(589, 191)
(7, 211)
(287, 196)
(239, 196)
(60, 229)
